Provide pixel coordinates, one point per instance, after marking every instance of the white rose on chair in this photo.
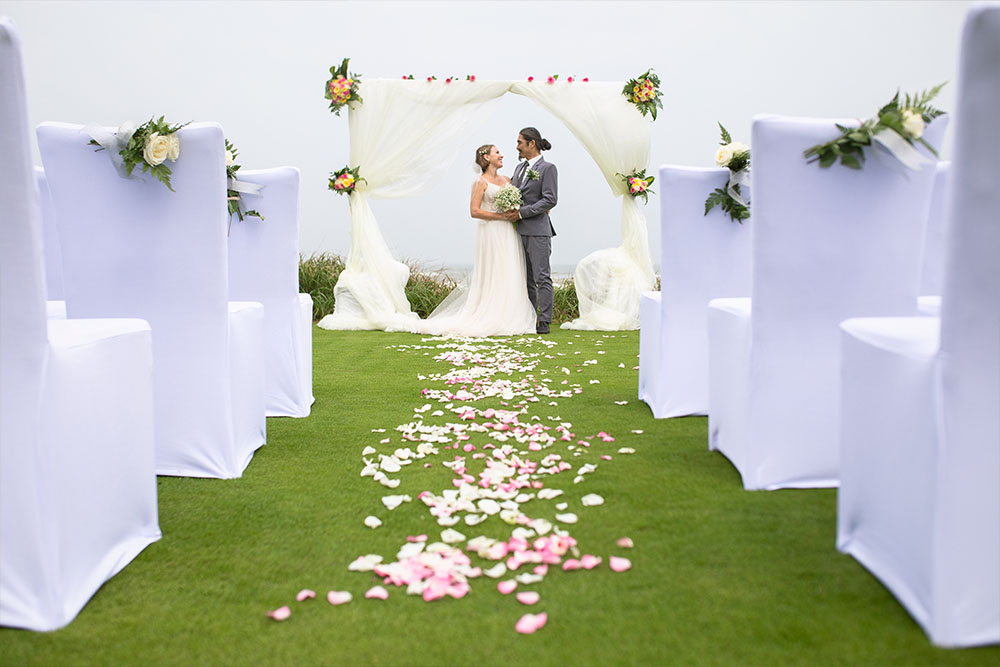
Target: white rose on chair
(156, 149)
(175, 148)
(913, 123)
(230, 160)
(724, 155)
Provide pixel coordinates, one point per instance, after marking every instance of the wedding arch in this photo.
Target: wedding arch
(406, 133)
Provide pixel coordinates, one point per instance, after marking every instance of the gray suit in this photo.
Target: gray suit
(540, 196)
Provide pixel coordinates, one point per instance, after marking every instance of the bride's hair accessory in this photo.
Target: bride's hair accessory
(481, 161)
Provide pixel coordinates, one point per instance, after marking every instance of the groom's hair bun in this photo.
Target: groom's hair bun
(481, 154)
(531, 134)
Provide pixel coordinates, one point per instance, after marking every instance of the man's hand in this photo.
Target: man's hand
(512, 216)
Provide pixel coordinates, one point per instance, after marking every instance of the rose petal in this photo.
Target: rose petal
(305, 594)
(451, 536)
(592, 500)
(571, 564)
(625, 543)
(589, 562)
(529, 623)
(619, 564)
(528, 597)
(507, 586)
(373, 522)
(280, 614)
(569, 517)
(338, 597)
(377, 593)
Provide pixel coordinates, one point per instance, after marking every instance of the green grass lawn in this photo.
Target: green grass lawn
(720, 576)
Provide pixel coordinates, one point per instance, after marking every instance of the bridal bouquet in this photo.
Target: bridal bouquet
(344, 181)
(148, 146)
(508, 198)
(234, 187)
(644, 92)
(736, 157)
(342, 87)
(896, 127)
(638, 184)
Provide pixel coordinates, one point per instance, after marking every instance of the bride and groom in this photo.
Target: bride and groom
(510, 289)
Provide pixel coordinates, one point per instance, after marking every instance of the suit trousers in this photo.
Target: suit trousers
(537, 250)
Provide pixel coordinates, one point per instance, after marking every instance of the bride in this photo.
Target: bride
(495, 301)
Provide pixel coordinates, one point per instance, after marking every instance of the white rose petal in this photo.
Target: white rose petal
(569, 517)
(913, 123)
(368, 451)
(373, 522)
(451, 536)
(591, 500)
(174, 147)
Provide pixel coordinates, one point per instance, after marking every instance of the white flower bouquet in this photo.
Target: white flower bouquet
(508, 198)
(148, 147)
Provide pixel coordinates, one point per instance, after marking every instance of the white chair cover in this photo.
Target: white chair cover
(702, 257)
(77, 480)
(131, 247)
(264, 267)
(649, 346)
(932, 271)
(50, 241)
(828, 244)
(919, 502)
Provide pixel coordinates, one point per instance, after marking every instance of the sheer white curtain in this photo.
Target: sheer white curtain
(403, 137)
(608, 281)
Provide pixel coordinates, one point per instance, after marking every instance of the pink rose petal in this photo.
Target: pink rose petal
(625, 543)
(305, 594)
(571, 564)
(541, 570)
(619, 564)
(589, 562)
(280, 614)
(528, 623)
(528, 597)
(377, 593)
(338, 597)
(507, 587)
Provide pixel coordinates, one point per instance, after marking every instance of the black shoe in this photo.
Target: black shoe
(542, 328)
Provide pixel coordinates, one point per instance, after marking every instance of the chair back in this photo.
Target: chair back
(23, 342)
(134, 248)
(932, 269)
(264, 267)
(703, 257)
(829, 244)
(50, 240)
(968, 512)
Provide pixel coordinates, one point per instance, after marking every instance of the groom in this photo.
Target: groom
(538, 181)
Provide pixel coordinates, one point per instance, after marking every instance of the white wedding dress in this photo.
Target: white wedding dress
(494, 302)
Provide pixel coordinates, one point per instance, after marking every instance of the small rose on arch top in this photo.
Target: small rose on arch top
(345, 180)
(342, 88)
(637, 183)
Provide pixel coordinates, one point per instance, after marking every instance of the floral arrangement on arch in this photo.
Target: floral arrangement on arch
(735, 156)
(344, 181)
(148, 146)
(896, 127)
(637, 183)
(342, 87)
(644, 92)
(235, 187)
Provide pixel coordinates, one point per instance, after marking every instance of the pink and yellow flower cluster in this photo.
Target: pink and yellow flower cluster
(340, 89)
(643, 91)
(637, 185)
(344, 182)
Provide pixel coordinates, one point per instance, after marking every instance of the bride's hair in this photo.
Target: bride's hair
(481, 154)
(531, 134)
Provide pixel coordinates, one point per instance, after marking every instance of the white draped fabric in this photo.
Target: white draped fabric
(406, 133)
(403, 137)
(608, 281)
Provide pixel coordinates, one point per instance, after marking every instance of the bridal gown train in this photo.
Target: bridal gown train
(495, 300)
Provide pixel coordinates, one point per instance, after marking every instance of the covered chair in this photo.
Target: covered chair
(702, 257)
(919, 500)
(77, 477)
(131, 247)
(828, 244)
(264, 267)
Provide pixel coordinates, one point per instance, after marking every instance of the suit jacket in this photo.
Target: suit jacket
(539, 197)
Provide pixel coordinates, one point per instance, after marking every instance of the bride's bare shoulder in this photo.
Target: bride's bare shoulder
(506, 181)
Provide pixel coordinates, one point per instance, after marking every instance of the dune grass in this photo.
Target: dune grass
(720, 576)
